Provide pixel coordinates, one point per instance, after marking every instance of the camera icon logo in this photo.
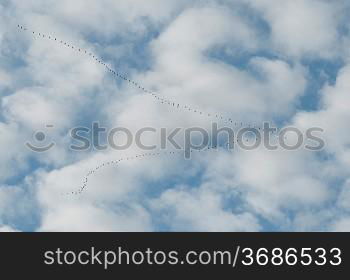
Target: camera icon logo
(39, 139)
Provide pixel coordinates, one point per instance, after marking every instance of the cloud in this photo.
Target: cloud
(213, 56)
(200, 210)
(302, 27)
(7, 229)
(184, 70)
(92, 218)
(17, 207)
(12, 152)
(333, 117)
(342, 225)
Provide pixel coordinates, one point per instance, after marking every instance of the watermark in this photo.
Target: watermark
(37, 143)
(249, 138)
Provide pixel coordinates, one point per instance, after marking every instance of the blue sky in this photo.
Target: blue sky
(252, 61)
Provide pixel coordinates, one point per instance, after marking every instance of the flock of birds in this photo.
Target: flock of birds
(153, 94)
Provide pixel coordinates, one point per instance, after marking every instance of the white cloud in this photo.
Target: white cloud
(200, 210)
(302, 27)
(344, 197)
(7, 229)
(12, 151)
(342, 225)
(48, 84)
(333, 117)
(184, 71)
(78, 216)
(17, 203)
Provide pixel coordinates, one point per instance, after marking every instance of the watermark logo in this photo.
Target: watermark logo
(188, 139)
(37, 144)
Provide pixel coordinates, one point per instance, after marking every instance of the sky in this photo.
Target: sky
(285, 62)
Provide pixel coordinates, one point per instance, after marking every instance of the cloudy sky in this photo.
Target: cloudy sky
(286, 62)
